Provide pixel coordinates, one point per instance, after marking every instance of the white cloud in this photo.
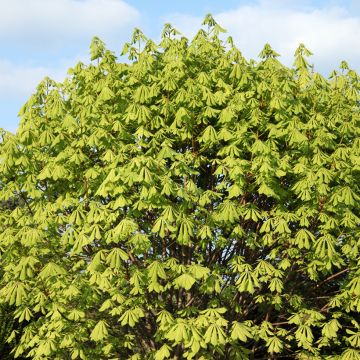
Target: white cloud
(57, 21)
(330, 33)
(19, 81)
(57, 26)
(34, 32)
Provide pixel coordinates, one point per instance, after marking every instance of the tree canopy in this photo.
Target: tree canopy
(184, 204)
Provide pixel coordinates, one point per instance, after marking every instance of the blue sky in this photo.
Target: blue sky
(41, 38)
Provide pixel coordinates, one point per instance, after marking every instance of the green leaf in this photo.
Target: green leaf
(241, 331)
(100, 331)
(131, 317)
(215, 335)
(185, 281)
(116, 257)
(163, 352)
(274, 345)
(50, 270)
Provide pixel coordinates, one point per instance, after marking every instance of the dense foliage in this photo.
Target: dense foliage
(186, 204)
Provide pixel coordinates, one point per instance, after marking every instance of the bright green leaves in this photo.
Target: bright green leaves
(354, 286)
(105, 94)
(15, 293)
(281, 227)
(209, 135)
(24, 315)
(50, 270)
(26, 267)
(304, 238)
(276, 285)
(188, 203)
(252, 213)
(163, 352)
(100, 331)
(131, 317)
(185, 231)
(213, 25)
(247, 280)
(267, 52)
(241, 331)
(169, 214)
(300, 63)
(353, 339)
(97, 48)
(324, 247)
(178, 333)
(215, 335)
(350, 354)
(76, 315)
(160, 227)
(171, 223)
(274, 345)
(116, 257)
(124, 229)
(345, 195)
(156, 271)
(142, 94)
(198, 271)
(228, 212)
(331, 328)
(304, 336)
(185, 281)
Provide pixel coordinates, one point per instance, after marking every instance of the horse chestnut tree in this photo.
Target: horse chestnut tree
(184, 204)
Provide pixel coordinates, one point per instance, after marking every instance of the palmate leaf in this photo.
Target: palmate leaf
(125, 228)
(24, 315)
(131, 317)
(179, 332)
(156, 270)
(163, 352)
(331, 328)
(50, 270)
(106, 94)
(100, 331)
(76, 315)
(276, 285)
(15, 293)
(97, 48)
(247, 280)
(228, 212)
(185, 231)
(324, 246)
(304, 335)
(215, 335)
(274, 345)
(185, 281)
(164, 318)
(116, 257)
(304, 238)
(159, 227)
(198, 271)
(241, 331)
(209, 135)
(354, 286)
(350, 354)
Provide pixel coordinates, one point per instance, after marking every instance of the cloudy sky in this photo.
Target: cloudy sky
(45, 37)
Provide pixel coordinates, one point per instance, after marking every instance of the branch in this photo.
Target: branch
(333, 276)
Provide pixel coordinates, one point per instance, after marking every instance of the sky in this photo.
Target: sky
(41, 38)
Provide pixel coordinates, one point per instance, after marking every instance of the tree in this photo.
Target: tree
(187, 204)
